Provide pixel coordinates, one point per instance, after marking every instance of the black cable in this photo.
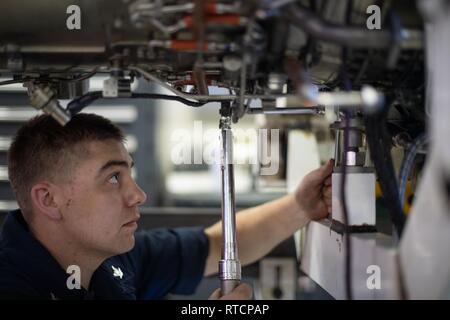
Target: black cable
(79, 78)
(49, 79)
(6, 82)
(347, 84)
(343, 198)
(382, 160)
(78, 104)
(185, 101)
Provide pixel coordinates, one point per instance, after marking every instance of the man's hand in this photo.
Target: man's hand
(260, 229)
(313, 195)
(241, 292)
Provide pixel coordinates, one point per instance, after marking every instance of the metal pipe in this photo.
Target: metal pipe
(153, 10)
(168, 29)
(368, 98)
(73, 49)
(177, 8)
(337, 148)
(354, 37)
(300, 110)
(229, 265)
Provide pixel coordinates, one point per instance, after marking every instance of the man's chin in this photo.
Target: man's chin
(131, 243)
(126, 245)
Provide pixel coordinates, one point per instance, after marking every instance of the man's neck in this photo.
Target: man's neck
(66, 253)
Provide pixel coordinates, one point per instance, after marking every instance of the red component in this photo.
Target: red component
(186, 45)
(211, 7)
(228, 19)
(188, 21)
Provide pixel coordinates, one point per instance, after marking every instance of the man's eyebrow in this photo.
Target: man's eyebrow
(112, 163)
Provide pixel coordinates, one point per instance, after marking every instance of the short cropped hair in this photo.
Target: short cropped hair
(42, 149)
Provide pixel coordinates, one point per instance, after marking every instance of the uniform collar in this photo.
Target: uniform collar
(32, 259)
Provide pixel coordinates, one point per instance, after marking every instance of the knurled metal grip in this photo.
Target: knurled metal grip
(229, 270)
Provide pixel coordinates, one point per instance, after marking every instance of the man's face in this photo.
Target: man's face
(100, 202)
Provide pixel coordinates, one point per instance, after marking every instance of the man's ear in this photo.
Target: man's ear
(44, 197)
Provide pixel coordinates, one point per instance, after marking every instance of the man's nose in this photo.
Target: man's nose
(136, 196)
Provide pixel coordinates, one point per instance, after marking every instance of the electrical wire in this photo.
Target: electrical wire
(7, 82)
(407, 164)
(49, 79)
(80, 78)
(382, 160)
(78, 104)
(194, 104)
(343, 198)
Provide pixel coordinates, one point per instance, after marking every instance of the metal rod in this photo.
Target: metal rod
(368, 98)
(300, 110)
(58, 49)
(229, 265)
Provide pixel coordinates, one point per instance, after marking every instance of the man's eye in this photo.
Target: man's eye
(114, 179)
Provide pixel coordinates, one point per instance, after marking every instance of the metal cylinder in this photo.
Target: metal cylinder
(229, 265)
(44, 99)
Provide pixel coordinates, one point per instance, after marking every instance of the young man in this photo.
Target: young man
(79, 213)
